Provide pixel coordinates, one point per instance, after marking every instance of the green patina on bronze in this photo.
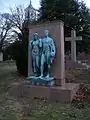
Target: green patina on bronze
(43, 53)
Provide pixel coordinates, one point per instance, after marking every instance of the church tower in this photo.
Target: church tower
(31, 13)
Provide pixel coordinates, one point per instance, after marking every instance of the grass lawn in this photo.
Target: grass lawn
(12, 109)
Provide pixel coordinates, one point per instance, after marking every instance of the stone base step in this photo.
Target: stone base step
(60, 94)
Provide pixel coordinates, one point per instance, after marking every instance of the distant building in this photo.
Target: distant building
(31, 14)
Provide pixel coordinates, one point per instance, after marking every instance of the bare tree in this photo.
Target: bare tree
(17, 19)
(12, 23)
(5, 26)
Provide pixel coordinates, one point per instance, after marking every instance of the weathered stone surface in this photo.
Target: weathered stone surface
(56, 30)
(61, 94)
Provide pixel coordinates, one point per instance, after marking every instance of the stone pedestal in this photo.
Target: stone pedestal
(60, 94)
(41, 81)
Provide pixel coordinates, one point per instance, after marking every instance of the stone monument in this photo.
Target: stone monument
(47, 65)
(52, 52)
(49, 50)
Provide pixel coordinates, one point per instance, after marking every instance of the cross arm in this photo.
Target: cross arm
(73, 38)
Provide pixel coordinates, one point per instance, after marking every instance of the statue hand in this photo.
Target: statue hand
(52, 54)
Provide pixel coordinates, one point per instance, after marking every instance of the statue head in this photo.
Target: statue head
(35, 36)
(46, 33)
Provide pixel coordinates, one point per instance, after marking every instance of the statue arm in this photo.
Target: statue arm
(30, 44)
(40, 42)
(53, 50)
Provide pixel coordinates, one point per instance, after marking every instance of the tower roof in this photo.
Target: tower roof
(30, 6)
(30, 2)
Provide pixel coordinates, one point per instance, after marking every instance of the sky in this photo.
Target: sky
(5, 5)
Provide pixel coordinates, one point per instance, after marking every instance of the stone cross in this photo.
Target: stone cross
(73, 40)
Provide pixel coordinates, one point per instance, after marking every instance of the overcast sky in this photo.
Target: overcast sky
(6, 4)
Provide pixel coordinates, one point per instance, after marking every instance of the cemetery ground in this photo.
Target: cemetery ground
(27, 109)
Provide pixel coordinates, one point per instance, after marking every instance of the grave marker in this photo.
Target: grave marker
(1, 56)
(73, 40)
(64, 92)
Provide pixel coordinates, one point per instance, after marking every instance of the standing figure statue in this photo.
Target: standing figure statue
(35, 51)
(48, 54)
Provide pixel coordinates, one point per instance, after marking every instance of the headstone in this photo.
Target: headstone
(1, 56)
(73, 40)
(56, 30)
